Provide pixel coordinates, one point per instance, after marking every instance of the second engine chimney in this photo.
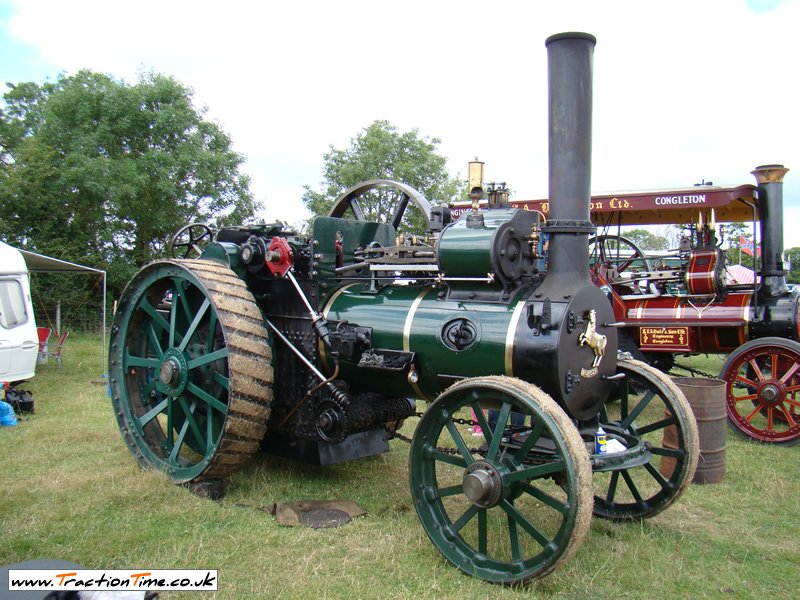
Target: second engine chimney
(770, 201)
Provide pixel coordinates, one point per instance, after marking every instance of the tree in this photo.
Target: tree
(792, 264)
(101, 172)
(647, 240)
(380, 151)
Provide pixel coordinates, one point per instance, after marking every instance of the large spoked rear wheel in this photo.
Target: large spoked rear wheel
(762, 385)
(652, 408)
(190, 369)
(510, 500)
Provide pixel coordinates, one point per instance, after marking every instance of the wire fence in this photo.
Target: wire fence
(69, 317)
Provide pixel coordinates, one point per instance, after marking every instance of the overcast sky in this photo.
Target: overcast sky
(683, 90)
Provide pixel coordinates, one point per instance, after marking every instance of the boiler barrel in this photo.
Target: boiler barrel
(451, 339)
(527, 336)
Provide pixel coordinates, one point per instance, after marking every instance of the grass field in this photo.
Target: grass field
(72, 491)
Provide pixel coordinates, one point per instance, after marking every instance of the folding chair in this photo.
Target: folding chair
(56, 354)
(44, 335)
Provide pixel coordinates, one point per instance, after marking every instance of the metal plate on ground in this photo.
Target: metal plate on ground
(323, 518)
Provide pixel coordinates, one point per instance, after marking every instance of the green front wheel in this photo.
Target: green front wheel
(501, 480)
(650, 407)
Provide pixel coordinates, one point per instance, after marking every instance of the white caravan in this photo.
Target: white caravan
(19, 341)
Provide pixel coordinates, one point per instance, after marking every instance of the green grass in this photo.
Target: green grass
(71, 491)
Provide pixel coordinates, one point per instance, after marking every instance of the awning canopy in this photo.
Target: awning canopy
(39, 263)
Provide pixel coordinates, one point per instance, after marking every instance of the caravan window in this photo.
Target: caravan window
(12, 304)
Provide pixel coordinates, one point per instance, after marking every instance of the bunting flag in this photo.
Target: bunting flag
(747, 246)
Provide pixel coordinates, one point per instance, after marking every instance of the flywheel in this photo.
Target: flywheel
(190, 367)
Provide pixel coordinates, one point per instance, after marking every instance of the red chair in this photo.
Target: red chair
(44, 335)
(56, 354)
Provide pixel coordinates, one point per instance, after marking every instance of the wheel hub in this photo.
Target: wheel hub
(482, 484)
(772, 393)
(173, 373)
(169, 373)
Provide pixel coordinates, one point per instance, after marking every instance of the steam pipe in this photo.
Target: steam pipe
(570, 58)
(770, 197)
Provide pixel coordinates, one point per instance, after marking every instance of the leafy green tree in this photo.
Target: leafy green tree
(380, 151)
(792, 264)
(646, 239)
(101, 172)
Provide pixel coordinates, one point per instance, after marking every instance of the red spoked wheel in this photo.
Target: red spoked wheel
(762, 380)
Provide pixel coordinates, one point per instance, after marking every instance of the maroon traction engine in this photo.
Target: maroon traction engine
(691, 301)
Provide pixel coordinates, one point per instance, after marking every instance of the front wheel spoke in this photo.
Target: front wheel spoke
(497, 434)
(546, 498)
(459, 441)
(513, 537)
(669, 452)
(465, 518)
(612, 487)
(207, 358)
(638, 409)
(655, 426)
(452, 490)
(632, 487)
(528, 444)
(665, 485)
(450, 459)
(483, 546)
(483, 423)
(515, 517)
(207, 398)
(536, 472)
(153, 412)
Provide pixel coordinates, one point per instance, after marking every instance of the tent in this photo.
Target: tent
(740, 274)
(39, 263)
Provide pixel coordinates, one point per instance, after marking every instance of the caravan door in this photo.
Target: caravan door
(19, 345)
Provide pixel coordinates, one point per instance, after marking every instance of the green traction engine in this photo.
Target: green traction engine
(323, 347)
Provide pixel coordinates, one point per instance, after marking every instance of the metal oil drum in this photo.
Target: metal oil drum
(707, 399)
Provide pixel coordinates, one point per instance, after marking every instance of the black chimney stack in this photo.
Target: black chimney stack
(770, 201)
(570, 59)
